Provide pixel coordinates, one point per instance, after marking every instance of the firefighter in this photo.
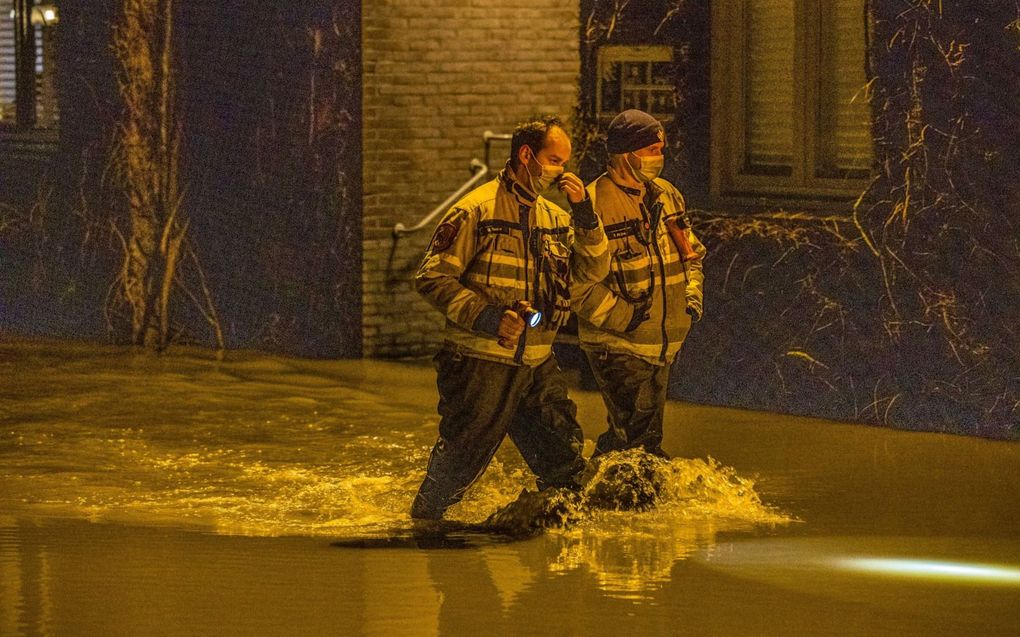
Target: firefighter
(632, 324)
(501, 267)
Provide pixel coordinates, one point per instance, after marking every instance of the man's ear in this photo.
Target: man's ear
(524, 153)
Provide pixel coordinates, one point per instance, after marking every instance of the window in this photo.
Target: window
(790, 113)
(28, 96)
(635, 77)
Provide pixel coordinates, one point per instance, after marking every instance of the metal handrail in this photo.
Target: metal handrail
(488, 136)
(480, 168)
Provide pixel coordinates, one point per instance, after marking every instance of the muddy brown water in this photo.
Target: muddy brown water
(186, 495)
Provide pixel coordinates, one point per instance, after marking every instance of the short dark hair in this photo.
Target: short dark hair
(532, 133)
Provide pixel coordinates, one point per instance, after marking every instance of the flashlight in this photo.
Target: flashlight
(530, 315)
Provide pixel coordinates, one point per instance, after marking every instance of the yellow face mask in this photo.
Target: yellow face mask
(546, 176)
(644, 168)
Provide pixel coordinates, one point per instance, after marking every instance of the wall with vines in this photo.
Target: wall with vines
(904, 312)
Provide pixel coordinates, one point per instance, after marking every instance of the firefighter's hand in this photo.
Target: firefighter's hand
(694, 310)
(640, 314)
(572, 185)
(511, 326)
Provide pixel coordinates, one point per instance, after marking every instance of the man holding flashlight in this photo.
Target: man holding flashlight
(501, 267)
(631, 325)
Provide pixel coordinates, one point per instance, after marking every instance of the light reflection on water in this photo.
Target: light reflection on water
(212, 473)
(931, 569)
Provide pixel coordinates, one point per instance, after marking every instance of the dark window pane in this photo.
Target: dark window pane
(769, 87)
(8, 66)
(610, 98)
(844, 119)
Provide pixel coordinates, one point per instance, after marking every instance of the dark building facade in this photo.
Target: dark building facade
(269, 103)
(851, 166)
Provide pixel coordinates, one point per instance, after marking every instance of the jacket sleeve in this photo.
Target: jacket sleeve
(603, 308)
(591, 298)
(695, 276)
(452, 247)
(589, 259)
(693, 268)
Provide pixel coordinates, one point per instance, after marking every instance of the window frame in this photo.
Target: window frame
(729, 181)
(24, 127)
(608, 54)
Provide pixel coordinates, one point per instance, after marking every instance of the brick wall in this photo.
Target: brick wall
(437, 74)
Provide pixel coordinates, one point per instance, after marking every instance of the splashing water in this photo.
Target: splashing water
(655, 511)
(241, 491)
(637, 486)
(260, 446)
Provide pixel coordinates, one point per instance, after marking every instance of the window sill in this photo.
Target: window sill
(33, 145)
(743, 204)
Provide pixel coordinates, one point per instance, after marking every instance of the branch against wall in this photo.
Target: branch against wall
(154, 235)
(937, 217)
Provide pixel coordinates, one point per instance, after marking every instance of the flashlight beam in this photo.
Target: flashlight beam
(935, 570)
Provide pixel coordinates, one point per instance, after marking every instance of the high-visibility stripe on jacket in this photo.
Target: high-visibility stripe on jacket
(493, 248)
(644, 264)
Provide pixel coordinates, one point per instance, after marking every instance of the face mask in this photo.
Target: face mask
(545, 178)
(651, 167)
(647, 168)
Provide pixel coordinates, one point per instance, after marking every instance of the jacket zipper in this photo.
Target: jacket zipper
(526, 234)
(662, 288)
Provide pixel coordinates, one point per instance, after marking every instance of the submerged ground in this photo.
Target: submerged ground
(188, 495)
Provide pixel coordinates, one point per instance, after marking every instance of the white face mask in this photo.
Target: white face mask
(651, 167)
(541, 182)
(644, 168)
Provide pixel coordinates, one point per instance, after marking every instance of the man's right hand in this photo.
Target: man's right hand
(572, 185)
(639, 314)
(511, 326)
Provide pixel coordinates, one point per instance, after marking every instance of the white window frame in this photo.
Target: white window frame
(729, 180)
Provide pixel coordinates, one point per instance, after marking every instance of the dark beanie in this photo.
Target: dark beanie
(632, 130)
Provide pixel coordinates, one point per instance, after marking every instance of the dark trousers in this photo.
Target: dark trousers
(481, 402)
(635, 395)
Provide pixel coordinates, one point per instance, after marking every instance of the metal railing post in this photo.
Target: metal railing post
(480, 168)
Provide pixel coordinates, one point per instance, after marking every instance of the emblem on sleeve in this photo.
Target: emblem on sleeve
(444, 236)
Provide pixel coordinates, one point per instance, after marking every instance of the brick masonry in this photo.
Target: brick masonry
(437, 74)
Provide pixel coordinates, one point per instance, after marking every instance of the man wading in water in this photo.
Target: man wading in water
(501, 253)
(631, 325)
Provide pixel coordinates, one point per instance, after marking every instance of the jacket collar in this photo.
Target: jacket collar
(524, 196)
(633, 192)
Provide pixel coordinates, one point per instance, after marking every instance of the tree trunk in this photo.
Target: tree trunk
(149, 146)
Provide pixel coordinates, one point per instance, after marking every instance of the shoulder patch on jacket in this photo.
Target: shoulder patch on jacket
(444, 236)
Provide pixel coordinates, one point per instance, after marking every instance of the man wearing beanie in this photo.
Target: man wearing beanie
(632, 324)
(501, 252)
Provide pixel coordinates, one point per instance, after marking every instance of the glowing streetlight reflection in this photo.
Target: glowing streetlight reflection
(43, 15)
(936, 570)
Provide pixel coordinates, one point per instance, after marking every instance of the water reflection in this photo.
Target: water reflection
(185, 495)
(631, 554)
(633, 565)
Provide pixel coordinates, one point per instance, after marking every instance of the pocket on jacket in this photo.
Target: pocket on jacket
(632, 276)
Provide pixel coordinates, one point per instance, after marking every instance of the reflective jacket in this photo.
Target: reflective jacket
(645, 271)
(501, 244)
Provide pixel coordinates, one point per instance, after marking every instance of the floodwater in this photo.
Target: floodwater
(185, 495)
